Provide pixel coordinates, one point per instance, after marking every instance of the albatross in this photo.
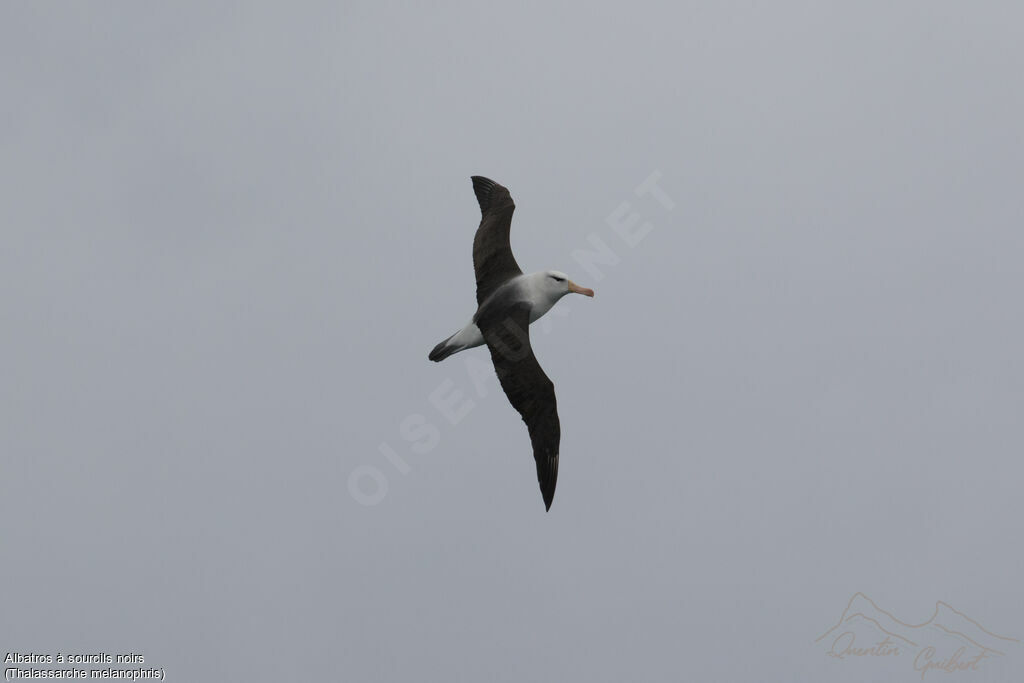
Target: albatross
(508, 301)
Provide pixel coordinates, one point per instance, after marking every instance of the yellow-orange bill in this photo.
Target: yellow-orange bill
(573, 287)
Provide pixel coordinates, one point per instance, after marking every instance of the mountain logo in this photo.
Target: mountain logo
(949, 641)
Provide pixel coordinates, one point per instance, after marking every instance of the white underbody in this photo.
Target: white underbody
(534, 288)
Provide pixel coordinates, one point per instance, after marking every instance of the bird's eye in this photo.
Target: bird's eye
(558, 279)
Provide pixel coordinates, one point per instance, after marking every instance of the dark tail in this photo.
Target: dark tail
(442, 351)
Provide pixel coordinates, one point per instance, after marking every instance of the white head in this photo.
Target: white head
(557, 284)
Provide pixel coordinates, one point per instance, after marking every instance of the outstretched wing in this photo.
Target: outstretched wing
(507, 333)
(493, 261)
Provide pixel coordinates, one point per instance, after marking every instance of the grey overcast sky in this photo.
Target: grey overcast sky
(233, 231)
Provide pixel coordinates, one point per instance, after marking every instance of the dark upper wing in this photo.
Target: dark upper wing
(493, 261)
(507, 333)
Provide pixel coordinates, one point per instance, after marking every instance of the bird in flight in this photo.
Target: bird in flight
(507, 302)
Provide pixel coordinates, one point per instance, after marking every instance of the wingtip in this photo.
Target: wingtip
(548, 478)
(483, 188)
